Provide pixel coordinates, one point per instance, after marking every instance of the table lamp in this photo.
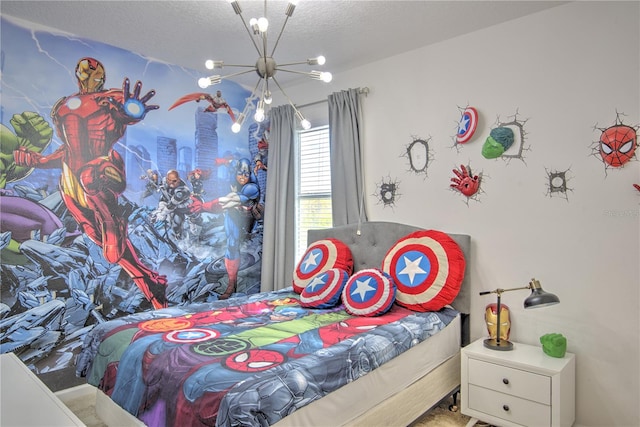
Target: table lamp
(538, 298)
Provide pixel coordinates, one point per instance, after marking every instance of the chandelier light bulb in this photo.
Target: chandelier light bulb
(259, 115)
(303, 122)
(203, 82)
(321, 60)
(235, 128)
(263, 24)
(253, 23)
(326, 77)
(267, 98)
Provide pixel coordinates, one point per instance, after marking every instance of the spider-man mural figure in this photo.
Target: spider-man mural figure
(89, 123)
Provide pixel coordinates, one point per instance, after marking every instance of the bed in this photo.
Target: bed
(304, 369)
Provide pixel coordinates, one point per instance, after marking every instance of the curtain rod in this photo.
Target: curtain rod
(361, 91)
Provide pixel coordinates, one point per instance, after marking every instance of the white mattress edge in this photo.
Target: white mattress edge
(354, 399)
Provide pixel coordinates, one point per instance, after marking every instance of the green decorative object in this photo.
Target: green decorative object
(554, 345)
(498, 141)
(492, 149)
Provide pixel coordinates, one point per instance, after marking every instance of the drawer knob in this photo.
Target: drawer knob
(505, 381)
(505, 407)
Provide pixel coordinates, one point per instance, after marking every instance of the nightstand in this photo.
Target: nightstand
(521, 387)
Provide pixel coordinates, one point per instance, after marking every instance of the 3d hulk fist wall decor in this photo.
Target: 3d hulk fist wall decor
(555, 345)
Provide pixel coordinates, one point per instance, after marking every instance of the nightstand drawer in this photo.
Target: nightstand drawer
(508, 407)
(511, 381)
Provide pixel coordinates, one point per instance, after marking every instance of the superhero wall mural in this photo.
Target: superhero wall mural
(122, 189)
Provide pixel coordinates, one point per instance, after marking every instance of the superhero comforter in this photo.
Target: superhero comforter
(246, 361)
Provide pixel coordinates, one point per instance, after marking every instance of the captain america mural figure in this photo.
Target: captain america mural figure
(238, 206)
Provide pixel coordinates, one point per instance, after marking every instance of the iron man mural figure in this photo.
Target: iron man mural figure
(89, 123)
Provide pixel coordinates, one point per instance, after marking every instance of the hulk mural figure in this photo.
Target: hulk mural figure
(22, 216)
(89, 123)
(33, 133)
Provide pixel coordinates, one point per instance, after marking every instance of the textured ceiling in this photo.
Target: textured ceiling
(348, 33)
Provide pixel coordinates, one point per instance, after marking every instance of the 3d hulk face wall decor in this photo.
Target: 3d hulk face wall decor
(506, 140)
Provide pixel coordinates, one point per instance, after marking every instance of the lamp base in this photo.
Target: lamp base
(502, 345)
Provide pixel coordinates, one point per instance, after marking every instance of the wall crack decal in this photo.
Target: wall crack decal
(420, 155)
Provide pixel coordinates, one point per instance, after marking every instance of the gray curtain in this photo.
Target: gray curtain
(278, 246)
(347, 181)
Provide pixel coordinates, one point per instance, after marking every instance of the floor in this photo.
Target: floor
(85, 409)
(445, 414)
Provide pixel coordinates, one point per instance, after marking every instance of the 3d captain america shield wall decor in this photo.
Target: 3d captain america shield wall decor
(467, 125)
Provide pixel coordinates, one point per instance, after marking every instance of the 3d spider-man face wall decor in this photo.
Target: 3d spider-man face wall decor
(617, 145)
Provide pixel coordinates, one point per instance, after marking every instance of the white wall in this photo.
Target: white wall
(565, 71)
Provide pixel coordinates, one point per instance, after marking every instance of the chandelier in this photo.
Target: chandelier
(265, 66)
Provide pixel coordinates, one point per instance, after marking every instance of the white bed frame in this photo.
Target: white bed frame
(369, 243)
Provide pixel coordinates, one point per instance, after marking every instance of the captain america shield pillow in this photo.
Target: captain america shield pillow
(427, 267)
(319, 257)
(325, 289)
(368, 292)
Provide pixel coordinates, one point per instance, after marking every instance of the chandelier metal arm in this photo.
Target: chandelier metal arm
(283, 92)
(253, 92)
(317, 75)
(293, 71)
(238, 73)
(284, 24)
(296, 111)
(293, 63)
(246, 27)
(240, 66)
(264, 46)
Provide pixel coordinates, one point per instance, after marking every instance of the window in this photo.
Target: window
(313, 184)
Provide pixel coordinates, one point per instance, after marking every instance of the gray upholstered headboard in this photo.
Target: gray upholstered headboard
(375, 238)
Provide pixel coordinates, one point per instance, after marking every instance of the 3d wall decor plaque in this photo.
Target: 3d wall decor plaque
(617, 144)
(467, 125)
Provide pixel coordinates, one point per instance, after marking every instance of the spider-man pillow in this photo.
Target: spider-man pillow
(427, 267)
(321, 256)
(368, 292)
(324, 290)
